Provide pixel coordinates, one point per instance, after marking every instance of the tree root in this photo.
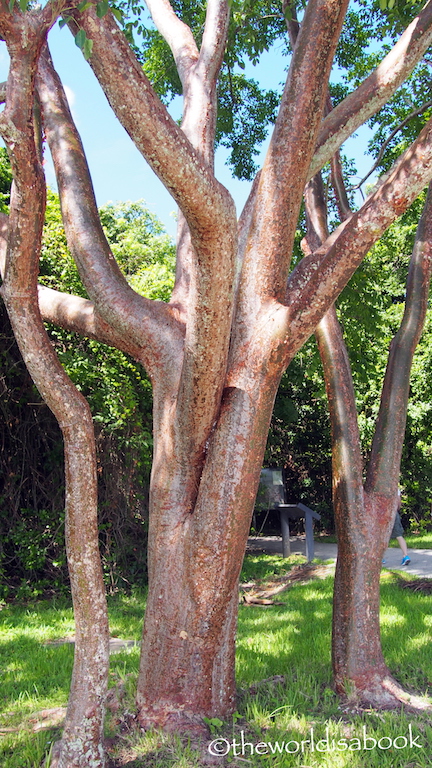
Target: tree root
(174, 721)
(381, 692)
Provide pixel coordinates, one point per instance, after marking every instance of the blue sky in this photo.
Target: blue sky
(118, 170)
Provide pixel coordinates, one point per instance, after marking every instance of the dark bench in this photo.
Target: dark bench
(294, 512)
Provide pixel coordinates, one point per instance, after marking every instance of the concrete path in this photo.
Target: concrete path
(420, 565)
(116, 644)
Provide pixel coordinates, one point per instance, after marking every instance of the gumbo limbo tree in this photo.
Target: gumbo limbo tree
(216, 351)
(364, 510)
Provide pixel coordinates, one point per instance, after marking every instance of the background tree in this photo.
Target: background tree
(215, 353)
(364, 513)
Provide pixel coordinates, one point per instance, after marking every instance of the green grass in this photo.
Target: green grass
(414, 540)
(286, 646)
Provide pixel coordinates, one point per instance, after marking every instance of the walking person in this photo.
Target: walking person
(398, 533)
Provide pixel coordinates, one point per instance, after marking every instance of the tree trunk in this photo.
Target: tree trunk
(362, 531)
(81, 745)
(195, 558)
(364, 516)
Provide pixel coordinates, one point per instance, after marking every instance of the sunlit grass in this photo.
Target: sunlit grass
(283, 673)
(414, 540)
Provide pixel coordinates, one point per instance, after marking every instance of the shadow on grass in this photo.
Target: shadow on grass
(294, 640)
(34, 671)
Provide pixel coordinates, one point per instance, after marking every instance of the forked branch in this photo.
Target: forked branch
(375, 91)
(157, 136)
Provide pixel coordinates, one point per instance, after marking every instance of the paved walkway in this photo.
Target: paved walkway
(420, 565)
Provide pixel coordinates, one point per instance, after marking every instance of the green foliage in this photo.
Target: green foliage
(144, 252)
(31, 481)
(5, 180)
(32, 559)
(57, 268)
(245, 111)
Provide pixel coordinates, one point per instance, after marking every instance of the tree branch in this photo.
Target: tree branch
(384, 146)
(317, 280)
(375, 91)
(25, 35)
(199, 125)
(150, 325)
(283, 177)
(176, 33)
(338, 183)
(384, 462)
(74, 313)
(214, 38)
(157, 136)
(347, 465)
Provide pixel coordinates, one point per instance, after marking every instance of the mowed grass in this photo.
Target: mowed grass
(283, 673)
(413, 540)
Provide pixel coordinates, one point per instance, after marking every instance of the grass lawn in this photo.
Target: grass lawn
(413, 540)
(284, 678)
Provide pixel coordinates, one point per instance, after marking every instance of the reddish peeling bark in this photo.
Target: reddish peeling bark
(216, 352)
(199, 594)
(364, 515)
(375, 90)
(83, 732)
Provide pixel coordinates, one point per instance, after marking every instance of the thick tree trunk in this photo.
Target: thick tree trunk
(195, 558)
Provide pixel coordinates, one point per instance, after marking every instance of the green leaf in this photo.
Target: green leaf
(84, 5)
(80, 39)
(87, 49)
(116, 12)
(23, 5)
(241, 64)
(11, 5)
(383, 4)
(65, 20)
(102, 8)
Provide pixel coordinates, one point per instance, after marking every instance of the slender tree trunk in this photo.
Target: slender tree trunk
(81, 745)
(364, 516)
(362, 531)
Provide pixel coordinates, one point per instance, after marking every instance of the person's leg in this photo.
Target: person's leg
(403, 545)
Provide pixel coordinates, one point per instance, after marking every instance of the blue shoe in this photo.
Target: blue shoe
(384, 561)
(406, 560)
